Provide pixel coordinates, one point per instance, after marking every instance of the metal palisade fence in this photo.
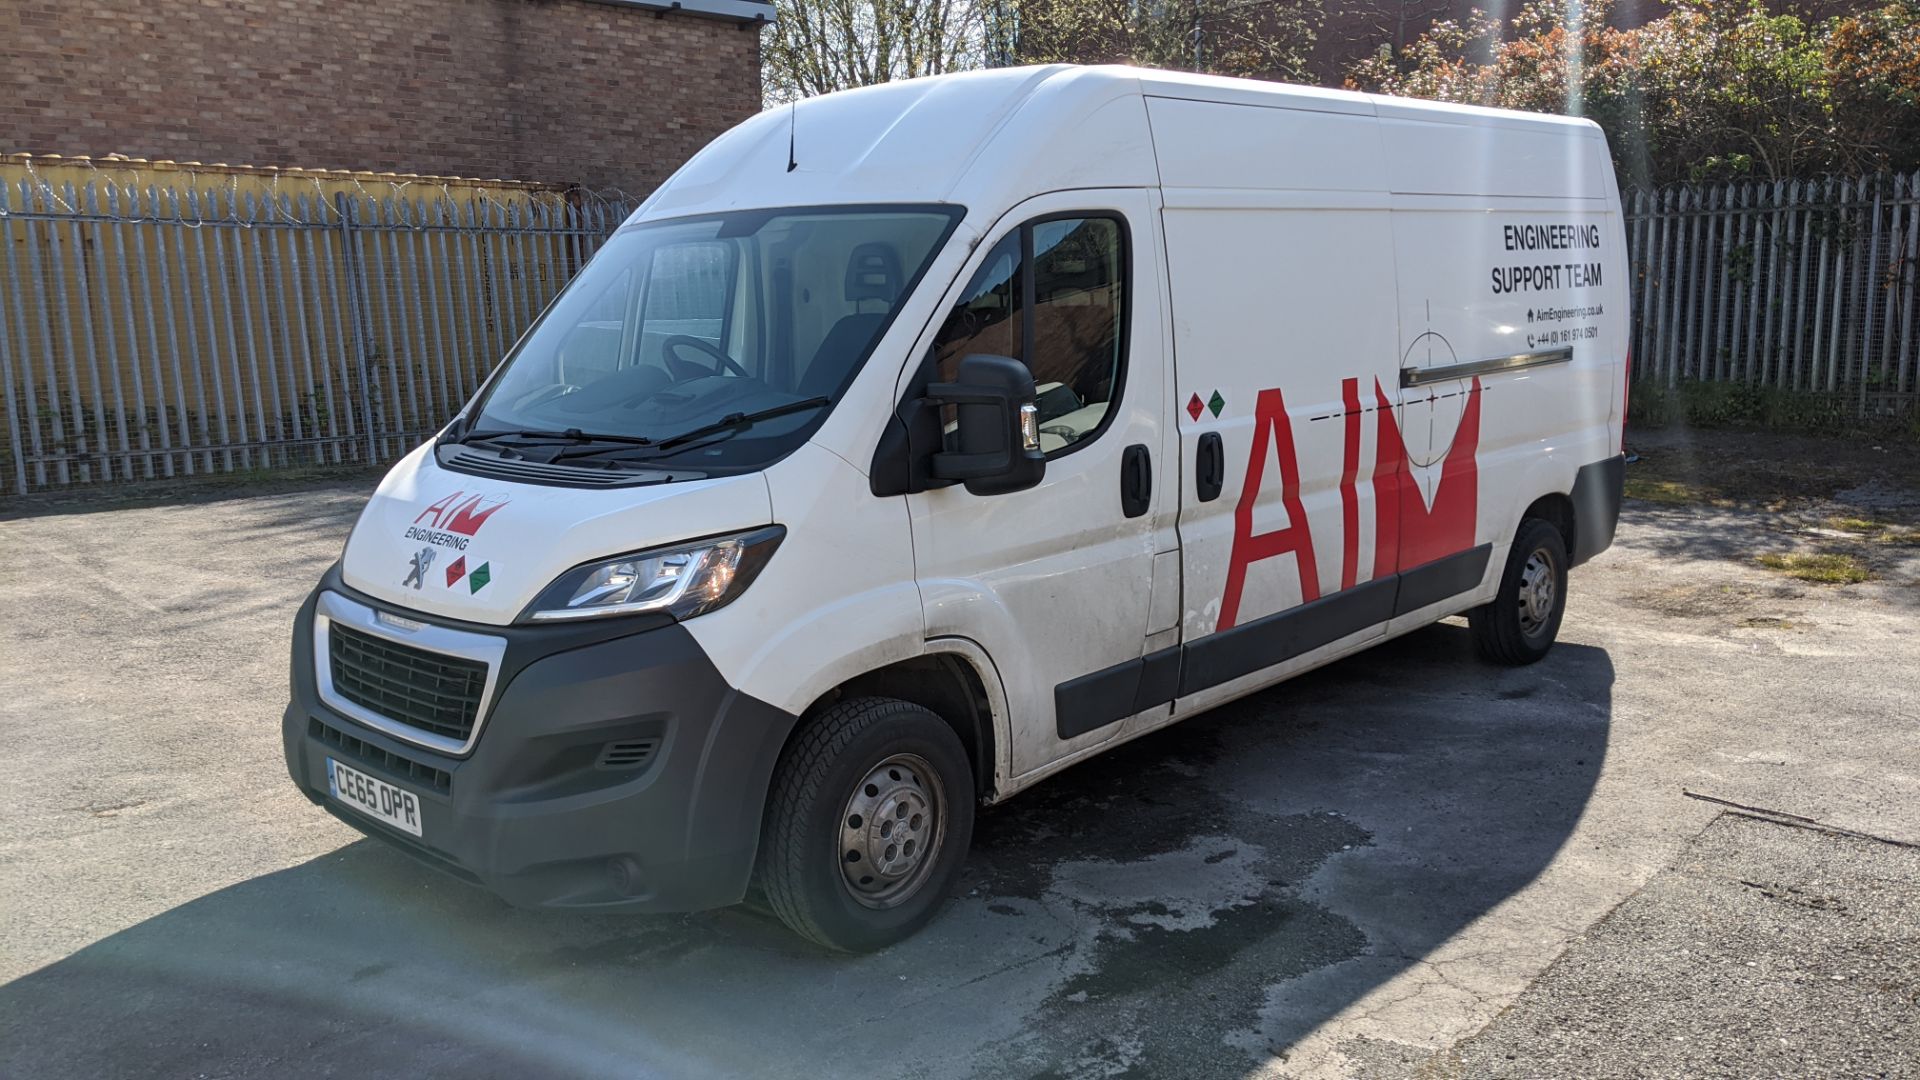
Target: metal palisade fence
(203, 325)
(217, 322)
(1802, 286)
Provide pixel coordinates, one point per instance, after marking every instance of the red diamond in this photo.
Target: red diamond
(1195, 406)
(456, 570)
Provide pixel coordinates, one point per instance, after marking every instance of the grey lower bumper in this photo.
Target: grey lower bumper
(1597, 490)
(533, 813)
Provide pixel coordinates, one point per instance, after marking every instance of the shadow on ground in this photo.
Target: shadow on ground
(1145, 914)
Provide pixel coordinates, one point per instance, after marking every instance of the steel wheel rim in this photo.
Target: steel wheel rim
(1539, 589)
(891, 831)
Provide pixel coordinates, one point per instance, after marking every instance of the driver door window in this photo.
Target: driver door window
(1051, 294)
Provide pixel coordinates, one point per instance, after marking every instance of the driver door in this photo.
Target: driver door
(1057, 582)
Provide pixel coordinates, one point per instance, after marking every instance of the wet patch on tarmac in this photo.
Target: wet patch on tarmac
(1142, 799)
(1179, 908)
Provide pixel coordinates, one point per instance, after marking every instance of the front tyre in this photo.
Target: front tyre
(1519, 625)
(869, 819)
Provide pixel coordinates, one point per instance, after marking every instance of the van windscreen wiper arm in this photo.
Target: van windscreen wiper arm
(743, 419)
(727, 422)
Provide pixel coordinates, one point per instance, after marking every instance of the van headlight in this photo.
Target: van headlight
(683, 580)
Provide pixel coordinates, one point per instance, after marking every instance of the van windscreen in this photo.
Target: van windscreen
(719, 342)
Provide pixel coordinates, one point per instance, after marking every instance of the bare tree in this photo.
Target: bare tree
(819, 46)
(1261, 38)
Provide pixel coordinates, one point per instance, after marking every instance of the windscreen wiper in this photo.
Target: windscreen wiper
(725, 423)
(744, 419)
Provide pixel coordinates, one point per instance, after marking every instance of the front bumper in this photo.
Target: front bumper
(533, 813)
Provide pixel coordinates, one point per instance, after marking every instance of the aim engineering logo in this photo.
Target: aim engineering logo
(451, 523)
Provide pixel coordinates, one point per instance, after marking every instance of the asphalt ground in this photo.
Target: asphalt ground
(1766, 949)
(1406, 863)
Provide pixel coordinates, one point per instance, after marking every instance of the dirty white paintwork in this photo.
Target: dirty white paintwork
(1282, 238)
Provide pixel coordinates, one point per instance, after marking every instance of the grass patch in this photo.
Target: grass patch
(1825, 568)
(1672, 492)
(1877, 531)
(1857, 525)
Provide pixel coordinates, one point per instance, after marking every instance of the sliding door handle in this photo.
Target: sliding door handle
(1136, 480)
(1210, 467)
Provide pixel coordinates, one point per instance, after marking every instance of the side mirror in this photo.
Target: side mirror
(999, 427)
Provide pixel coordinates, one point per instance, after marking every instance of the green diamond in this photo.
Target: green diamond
(479, 578)
(1216, 403)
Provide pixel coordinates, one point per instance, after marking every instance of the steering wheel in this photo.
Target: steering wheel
(683, 369)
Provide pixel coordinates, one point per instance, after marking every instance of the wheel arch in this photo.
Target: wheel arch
(1556, 509)
(955, 681)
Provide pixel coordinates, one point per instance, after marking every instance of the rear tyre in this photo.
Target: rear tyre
(867, 825)
(1521, 622)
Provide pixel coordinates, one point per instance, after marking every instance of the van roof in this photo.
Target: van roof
(974, 137)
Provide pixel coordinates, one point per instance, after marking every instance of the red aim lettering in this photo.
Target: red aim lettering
(454, 515)
(466, 522)
(438, 509)
(1270, 427)
(1407, 531)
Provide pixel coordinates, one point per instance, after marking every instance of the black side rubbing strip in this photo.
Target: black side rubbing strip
(1159, 679)
(1110, 695)
(1091, 702)
(1229, 654)
(1445, 577)
(1107, 696)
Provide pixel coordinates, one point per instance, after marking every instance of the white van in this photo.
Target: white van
(913, 443)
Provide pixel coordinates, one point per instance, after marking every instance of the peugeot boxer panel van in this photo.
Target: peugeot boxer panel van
(913, 443)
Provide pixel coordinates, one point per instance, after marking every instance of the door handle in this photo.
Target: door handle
(1210, 467)
(1136, 480)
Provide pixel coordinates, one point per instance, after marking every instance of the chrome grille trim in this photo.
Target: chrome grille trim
(482, 648)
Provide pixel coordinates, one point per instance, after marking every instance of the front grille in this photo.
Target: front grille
(433, 692)
(365, 753)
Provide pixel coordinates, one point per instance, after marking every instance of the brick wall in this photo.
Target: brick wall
(554, 90)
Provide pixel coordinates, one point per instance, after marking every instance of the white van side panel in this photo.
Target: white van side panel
(1438, 149)
(1507, 243)
(1264, 151)
(838, 599)
(1534, 427)
(1313, 258)
(1280, 262)
(1266, 320)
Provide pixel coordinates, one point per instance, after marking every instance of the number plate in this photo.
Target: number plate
(373, 797)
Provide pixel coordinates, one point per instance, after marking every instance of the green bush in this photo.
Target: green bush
(1693, 403)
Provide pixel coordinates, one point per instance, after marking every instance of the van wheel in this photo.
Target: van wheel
(869, 820)
(1519, 625)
